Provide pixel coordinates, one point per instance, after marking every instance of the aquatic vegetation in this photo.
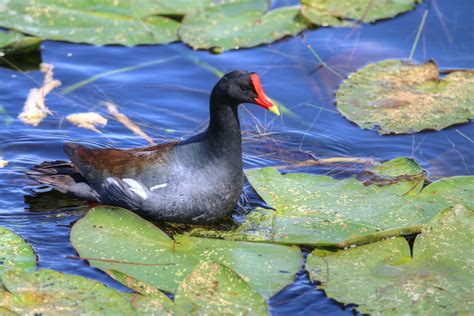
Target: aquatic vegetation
(398, 97)
(318, 210)
(165, 262)
(383, 277)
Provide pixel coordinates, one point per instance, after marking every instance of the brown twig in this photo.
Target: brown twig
(119, 261)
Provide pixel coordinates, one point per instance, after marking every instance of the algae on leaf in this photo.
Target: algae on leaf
(348, 13)
(15, 253)
(318, 210)
(398, 97)
(88, 21)
(214, 289)
(382, 277)
(45, 291)
(239, 24)
(117, 239)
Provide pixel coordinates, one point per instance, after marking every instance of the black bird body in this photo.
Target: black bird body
(198, 180)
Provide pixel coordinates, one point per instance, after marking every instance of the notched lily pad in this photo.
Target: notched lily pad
(239, 24)
(15, 253)
(398, 97)
(382, 278)
(74, 21)
(214, 289)
(116, 239)
(318, 210)
(348, 13)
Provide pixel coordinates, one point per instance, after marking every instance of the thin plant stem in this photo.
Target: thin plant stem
(417, 38)
(115, 71)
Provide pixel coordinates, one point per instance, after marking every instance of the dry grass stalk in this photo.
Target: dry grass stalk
(329, 161)
(35, 109)
(112, 108)
(89, 120)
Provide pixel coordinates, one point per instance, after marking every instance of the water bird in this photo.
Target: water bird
(197, 180)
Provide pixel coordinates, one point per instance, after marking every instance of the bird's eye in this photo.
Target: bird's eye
(245, 88)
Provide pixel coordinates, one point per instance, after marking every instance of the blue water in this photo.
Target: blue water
(170, 101)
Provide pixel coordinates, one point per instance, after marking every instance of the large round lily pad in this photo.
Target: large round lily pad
(239, 24)
(51, 292)
(347, 13)
(15, 253)
(90, 21)
(13, 43)
(123, 241)
(398, 97)
(213, 289)
(382, 278)
(321, 211)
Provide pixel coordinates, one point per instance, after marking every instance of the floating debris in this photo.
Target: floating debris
(89, 120)
(35, 109)
(3, 163)
(122, 118)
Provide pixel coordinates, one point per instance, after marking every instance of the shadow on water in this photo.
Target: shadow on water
(170, 101)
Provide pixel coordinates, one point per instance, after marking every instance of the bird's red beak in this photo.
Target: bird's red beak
(262, 99)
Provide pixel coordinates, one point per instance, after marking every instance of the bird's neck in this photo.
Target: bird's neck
(224, 126)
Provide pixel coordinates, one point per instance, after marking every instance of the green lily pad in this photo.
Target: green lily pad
(14, 43)
(75, 21)
(239, 24)
(144, 8)
(45, 291)
(116, 239)
(15, 253)
(318, 210)
(397, 97)
(347, 13)
(382, 278)
(150, 300)
(213, 289)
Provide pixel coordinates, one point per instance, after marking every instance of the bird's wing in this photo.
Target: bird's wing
(96, 165)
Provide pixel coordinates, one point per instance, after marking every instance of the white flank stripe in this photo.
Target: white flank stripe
(136, 187)
(159, 186)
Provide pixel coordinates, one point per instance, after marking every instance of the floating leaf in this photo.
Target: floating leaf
(382, 278)
(397, 97)
(116, 239)
(150, 300)
(13, 43)
(45, 291)
(347, 13)
(87, 21)
(213, 289)
(144, 8)
(15, 253)
(239, 24)
(318, 210)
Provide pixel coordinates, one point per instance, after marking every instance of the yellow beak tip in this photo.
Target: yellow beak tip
(274, 110)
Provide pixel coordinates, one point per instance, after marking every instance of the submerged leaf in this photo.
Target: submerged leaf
(13, 43)
(15, 253)
(239, 24)
(89, 21)
(321, 211)
(397, 97)
(116, 239)
(213, 289)
(382, 277)
(347, 13)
